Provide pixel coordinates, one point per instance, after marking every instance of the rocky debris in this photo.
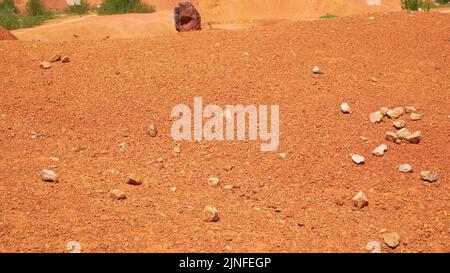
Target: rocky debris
(414, 137)
(45, 65)
(375, 117)
(55, 58)
(187, 17)
(213, 181)
(65, 59)
(73, 247)
(396, 112)
(345, 108)
(399, 124)
(210, 214)
(360, 200)
(49, 176)
(373, 247)
(384, 110)
(410, 109)
(391, 136)
(54, 159)
(177, 149)
(391, 239)
(379, 151)
(358, 159)
(317, 70)
(134, 179)
(117, 194)
(152, 131)
(173, 189)
(405, 168)
(429, 176)
(6, 35)
(403, 133)
(230, 167)
(415, 116)
(228, 187)
(339, 202)
(282, 155)
(363, 138)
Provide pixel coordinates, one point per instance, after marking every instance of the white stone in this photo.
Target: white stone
(345, 108)
(358, 159)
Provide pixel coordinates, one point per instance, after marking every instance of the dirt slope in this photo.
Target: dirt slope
(6, 35)
(92, 113)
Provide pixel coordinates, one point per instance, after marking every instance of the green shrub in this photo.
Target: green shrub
(82, 8)
(35, 7)
(9, 5)
(8, 15)
(123, 6)
(31, 21)
(415, 4)
(328, 16)
(9, 19)
(36, 14)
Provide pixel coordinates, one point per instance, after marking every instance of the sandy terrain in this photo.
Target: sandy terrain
(92, 114)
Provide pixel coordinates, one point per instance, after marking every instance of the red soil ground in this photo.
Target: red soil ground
(111, 90)
(6, 35)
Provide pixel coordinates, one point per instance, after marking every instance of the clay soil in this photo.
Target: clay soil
(93, 113)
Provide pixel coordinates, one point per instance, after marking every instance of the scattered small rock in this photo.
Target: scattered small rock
(379, 151)
(65, 59)
(405, 168)
(345, 108)
(117, 194)
(391, 239)
(360, 200)
(213, 181)
(415, 116)
(429, 176)
(396, 112)
(228, 187)
(282, 155)
(45, 65)
(49, 176)
(317, 70)
(228, 168)
(176, 149)
(55, 58)
(73, 247)
(173, 189)
(391, 136)
(414, 137)
(375, 117)
(210, 214)
(358, 159)
(134, 179)
(384, 110)
(403, 133)
(410, 109)
(339, 202)
(373, 247)
(399, 124)
(152, 131)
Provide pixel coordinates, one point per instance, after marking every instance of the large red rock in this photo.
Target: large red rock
(6, 35)
(187, 17)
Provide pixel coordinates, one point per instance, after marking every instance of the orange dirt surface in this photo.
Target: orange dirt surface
(6, 35)
(93, 112)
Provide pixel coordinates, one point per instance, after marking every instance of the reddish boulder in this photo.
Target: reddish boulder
(187, 18)
(6, 35)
